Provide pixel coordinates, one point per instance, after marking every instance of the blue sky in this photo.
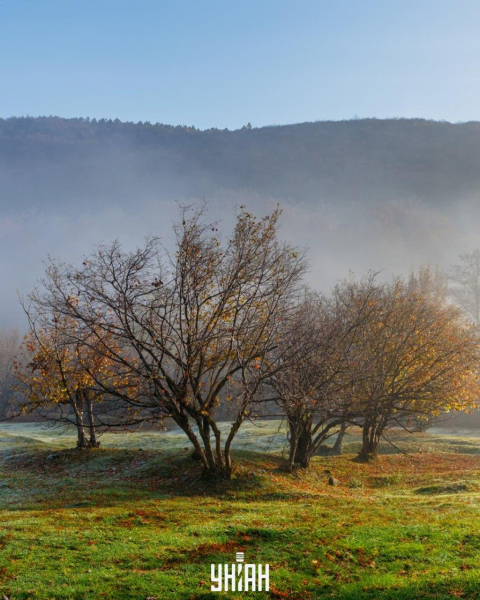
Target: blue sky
(224, 63)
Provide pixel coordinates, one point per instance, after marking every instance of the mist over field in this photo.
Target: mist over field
(362, 194)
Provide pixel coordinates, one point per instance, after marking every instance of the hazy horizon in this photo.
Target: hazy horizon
(352, 192)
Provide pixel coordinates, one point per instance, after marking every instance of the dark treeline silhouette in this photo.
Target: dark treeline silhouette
(362, 160)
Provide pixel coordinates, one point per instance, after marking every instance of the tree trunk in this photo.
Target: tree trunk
(372, 431)
(300, 443)
(213, 468)
(91, 422)
(78, 410)
(81, 438)
(216, 460)
(227, 450)
(215, 464)
(338, 446)
(198, 452)
(302, 455)
(293, 439)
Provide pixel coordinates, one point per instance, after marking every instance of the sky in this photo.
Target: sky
(212, 63)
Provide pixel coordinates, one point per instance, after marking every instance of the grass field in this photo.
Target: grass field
(132, 520)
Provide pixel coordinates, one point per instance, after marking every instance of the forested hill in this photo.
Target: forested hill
(51, 162)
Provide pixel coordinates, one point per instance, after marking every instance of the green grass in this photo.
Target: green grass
(133, 520)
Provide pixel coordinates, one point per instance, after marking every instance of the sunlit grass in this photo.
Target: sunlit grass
(134, 520)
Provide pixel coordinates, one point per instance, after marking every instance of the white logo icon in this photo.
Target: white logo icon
(240, 577)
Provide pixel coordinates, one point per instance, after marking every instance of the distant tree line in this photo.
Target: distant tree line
(225, 325)
(370, 160)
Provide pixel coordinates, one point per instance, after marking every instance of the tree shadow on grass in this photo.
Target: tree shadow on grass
(71, 478)
(450, 488)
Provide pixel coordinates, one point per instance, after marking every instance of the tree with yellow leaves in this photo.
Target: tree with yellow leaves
(414, 359)
(59, 371)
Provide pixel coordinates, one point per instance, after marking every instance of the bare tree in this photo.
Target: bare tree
(465, 284)
(430, 282)
(314, 386)
(196, 327)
